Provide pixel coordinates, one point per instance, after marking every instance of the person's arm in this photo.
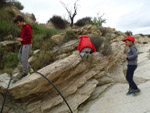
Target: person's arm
(134, 55)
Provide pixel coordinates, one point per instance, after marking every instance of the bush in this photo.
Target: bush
(70, 35)
(2, 3)
(58, 22)
(98, 21)
(7, 28)
(42, 59)
(18, 5)
(7, 14)
(96, 40)
(41, 34)
(45, 56)
(102, 44)
(129, 33)
(84, 21)
(8, 62)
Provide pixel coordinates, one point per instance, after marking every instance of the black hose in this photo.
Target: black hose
(5, 96)
(6, 92)
(56, 90)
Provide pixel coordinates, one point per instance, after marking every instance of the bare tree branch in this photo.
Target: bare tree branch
(71, 16)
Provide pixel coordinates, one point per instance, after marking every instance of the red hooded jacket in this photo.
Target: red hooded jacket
(26, 34)
(85, 42)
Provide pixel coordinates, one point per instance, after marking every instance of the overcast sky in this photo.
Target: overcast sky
(133, 15)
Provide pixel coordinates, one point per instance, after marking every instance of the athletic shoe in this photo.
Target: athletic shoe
(135, 92)
(31, 70)
(23, 75)
(129, 92)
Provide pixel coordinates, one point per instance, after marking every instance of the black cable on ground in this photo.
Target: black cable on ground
(6, 92)
(56, 90)
(5, 95)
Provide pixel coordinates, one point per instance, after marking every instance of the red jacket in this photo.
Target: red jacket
(85, 42)
(26, 34)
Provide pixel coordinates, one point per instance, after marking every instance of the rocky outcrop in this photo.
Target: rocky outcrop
(76, 79)
(30, 17)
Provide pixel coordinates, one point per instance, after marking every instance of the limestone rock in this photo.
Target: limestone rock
(30, 17)
(58, 38)
(105, 80)
(4, 79)
(98, 91)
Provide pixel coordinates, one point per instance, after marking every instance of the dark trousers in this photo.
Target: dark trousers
(129, 76)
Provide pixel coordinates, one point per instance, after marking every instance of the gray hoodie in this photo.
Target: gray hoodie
(132, 55)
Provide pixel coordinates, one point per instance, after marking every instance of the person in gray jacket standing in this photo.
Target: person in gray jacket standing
(132, 65)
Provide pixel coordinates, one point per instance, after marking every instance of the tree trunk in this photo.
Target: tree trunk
(71, 22)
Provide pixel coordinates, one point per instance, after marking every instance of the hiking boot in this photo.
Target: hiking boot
(23, 75)
(31, 70)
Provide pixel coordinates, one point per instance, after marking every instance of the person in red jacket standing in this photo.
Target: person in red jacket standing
(85, 46)
(26, 41)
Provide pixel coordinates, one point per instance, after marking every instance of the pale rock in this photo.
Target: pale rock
(99, 90)
(105, 80)
(58, 38)
(75, 100)
(4, 80)
(99, 75)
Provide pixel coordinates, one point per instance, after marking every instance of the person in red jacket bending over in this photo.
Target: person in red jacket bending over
(85, 46)
(26, 41)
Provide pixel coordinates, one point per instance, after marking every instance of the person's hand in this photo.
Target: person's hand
(19, 39)
(125, 57)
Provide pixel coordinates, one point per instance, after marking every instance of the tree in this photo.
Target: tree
(69, 11)
(2, 3)
(18, 5)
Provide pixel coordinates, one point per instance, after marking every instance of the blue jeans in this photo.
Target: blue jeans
(129, 76)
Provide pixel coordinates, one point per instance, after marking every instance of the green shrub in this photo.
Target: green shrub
(70, 35)
(98, 21)
(58, 22)
(84, 21)
(7, 28)
(9, 62)
(42, 59)
(41, 34)
(7, 14)
(18, 5)
(96, 40)
(45, 56)
(2, 3)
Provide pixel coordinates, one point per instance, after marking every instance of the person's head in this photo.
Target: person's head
(129, 40)
(19, 20)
